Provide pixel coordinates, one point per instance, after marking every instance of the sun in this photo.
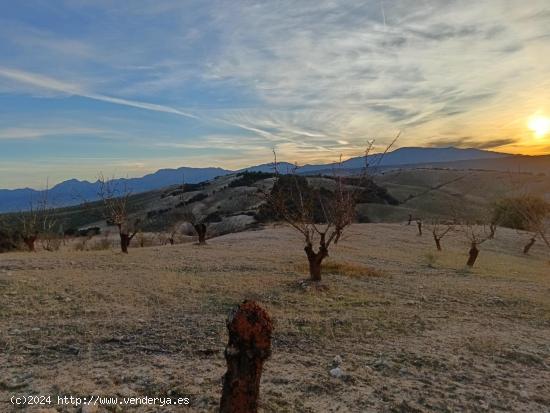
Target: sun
(540, 125)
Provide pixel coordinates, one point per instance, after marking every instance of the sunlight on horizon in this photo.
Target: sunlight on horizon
(540, 125)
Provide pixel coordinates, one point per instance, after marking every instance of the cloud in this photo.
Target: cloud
(49, 83)
(428, 65)
(35, 133)
(35, 40)
(310, 81)
(469, 142)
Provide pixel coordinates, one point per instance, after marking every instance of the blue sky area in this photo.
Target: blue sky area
(129, 87)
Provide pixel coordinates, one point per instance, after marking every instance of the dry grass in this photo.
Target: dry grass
(347, 269)
(153, 322)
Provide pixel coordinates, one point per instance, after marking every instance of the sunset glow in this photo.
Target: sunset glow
(131, 87)
(540, 125)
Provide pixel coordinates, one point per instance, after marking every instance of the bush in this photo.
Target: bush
(157, 212)
(372, 193)
(196, 198)
(520, 212)
(213, 217)
(292, 185)
(88, 232)
(101, 245)
(71, 232)
(80, 245)
(51, 242)
(185, 188)
(8, 241)
(249, 178)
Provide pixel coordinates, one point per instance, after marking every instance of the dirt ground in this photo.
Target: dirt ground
(416, 331)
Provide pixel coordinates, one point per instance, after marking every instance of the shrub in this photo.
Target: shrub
(51, 242)
(185, 188)
(520, 212)
(249, 178)
(196, 198)
(101, 245)
(346, 269)
(88, 232)
(80, 245)
(8, 241)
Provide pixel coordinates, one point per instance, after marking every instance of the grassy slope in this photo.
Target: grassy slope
(426, 333)
(464, 193)
(429, 193)
(88, 214)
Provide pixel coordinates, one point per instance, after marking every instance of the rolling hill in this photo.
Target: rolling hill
(73, 191)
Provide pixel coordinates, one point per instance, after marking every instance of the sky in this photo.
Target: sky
(129, 87)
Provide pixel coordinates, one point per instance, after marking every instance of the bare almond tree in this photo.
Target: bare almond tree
(29, 228)
(36, 220)
(198, 220)
(526, 212)
(320, 216)
(476, 235)
(439, 231)
(419, 226)
(115, 202)
(535, 212)
(527, 247)
(172, 232)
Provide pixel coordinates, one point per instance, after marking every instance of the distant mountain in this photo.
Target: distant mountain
(401, 156)
(73, 191)
(412, 156)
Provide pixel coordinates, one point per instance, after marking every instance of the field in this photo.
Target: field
(416, 331)
(428, 193)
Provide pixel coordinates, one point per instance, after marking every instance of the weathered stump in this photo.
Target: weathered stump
(249, 345)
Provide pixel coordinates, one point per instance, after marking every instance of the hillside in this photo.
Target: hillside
(228, 203)
(415, 330)
(512, 164)
(73, 191)
(449, 193)
(232, 203)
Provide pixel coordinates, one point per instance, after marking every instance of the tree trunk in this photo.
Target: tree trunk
(493, 229)
(171, 240)
(249, 345)
(529, 245)
(124, 242)
(201, 232)
(29, 242)
(437, 243)
(410, 219)
(473, 253)
(315, 269)
(315, 260)
(419, 224)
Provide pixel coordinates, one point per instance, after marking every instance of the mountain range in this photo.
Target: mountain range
(74, 191)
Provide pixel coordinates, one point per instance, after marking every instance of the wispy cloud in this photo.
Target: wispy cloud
(469, 142)
(49, 83)
(312, 81)
(35, 133)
